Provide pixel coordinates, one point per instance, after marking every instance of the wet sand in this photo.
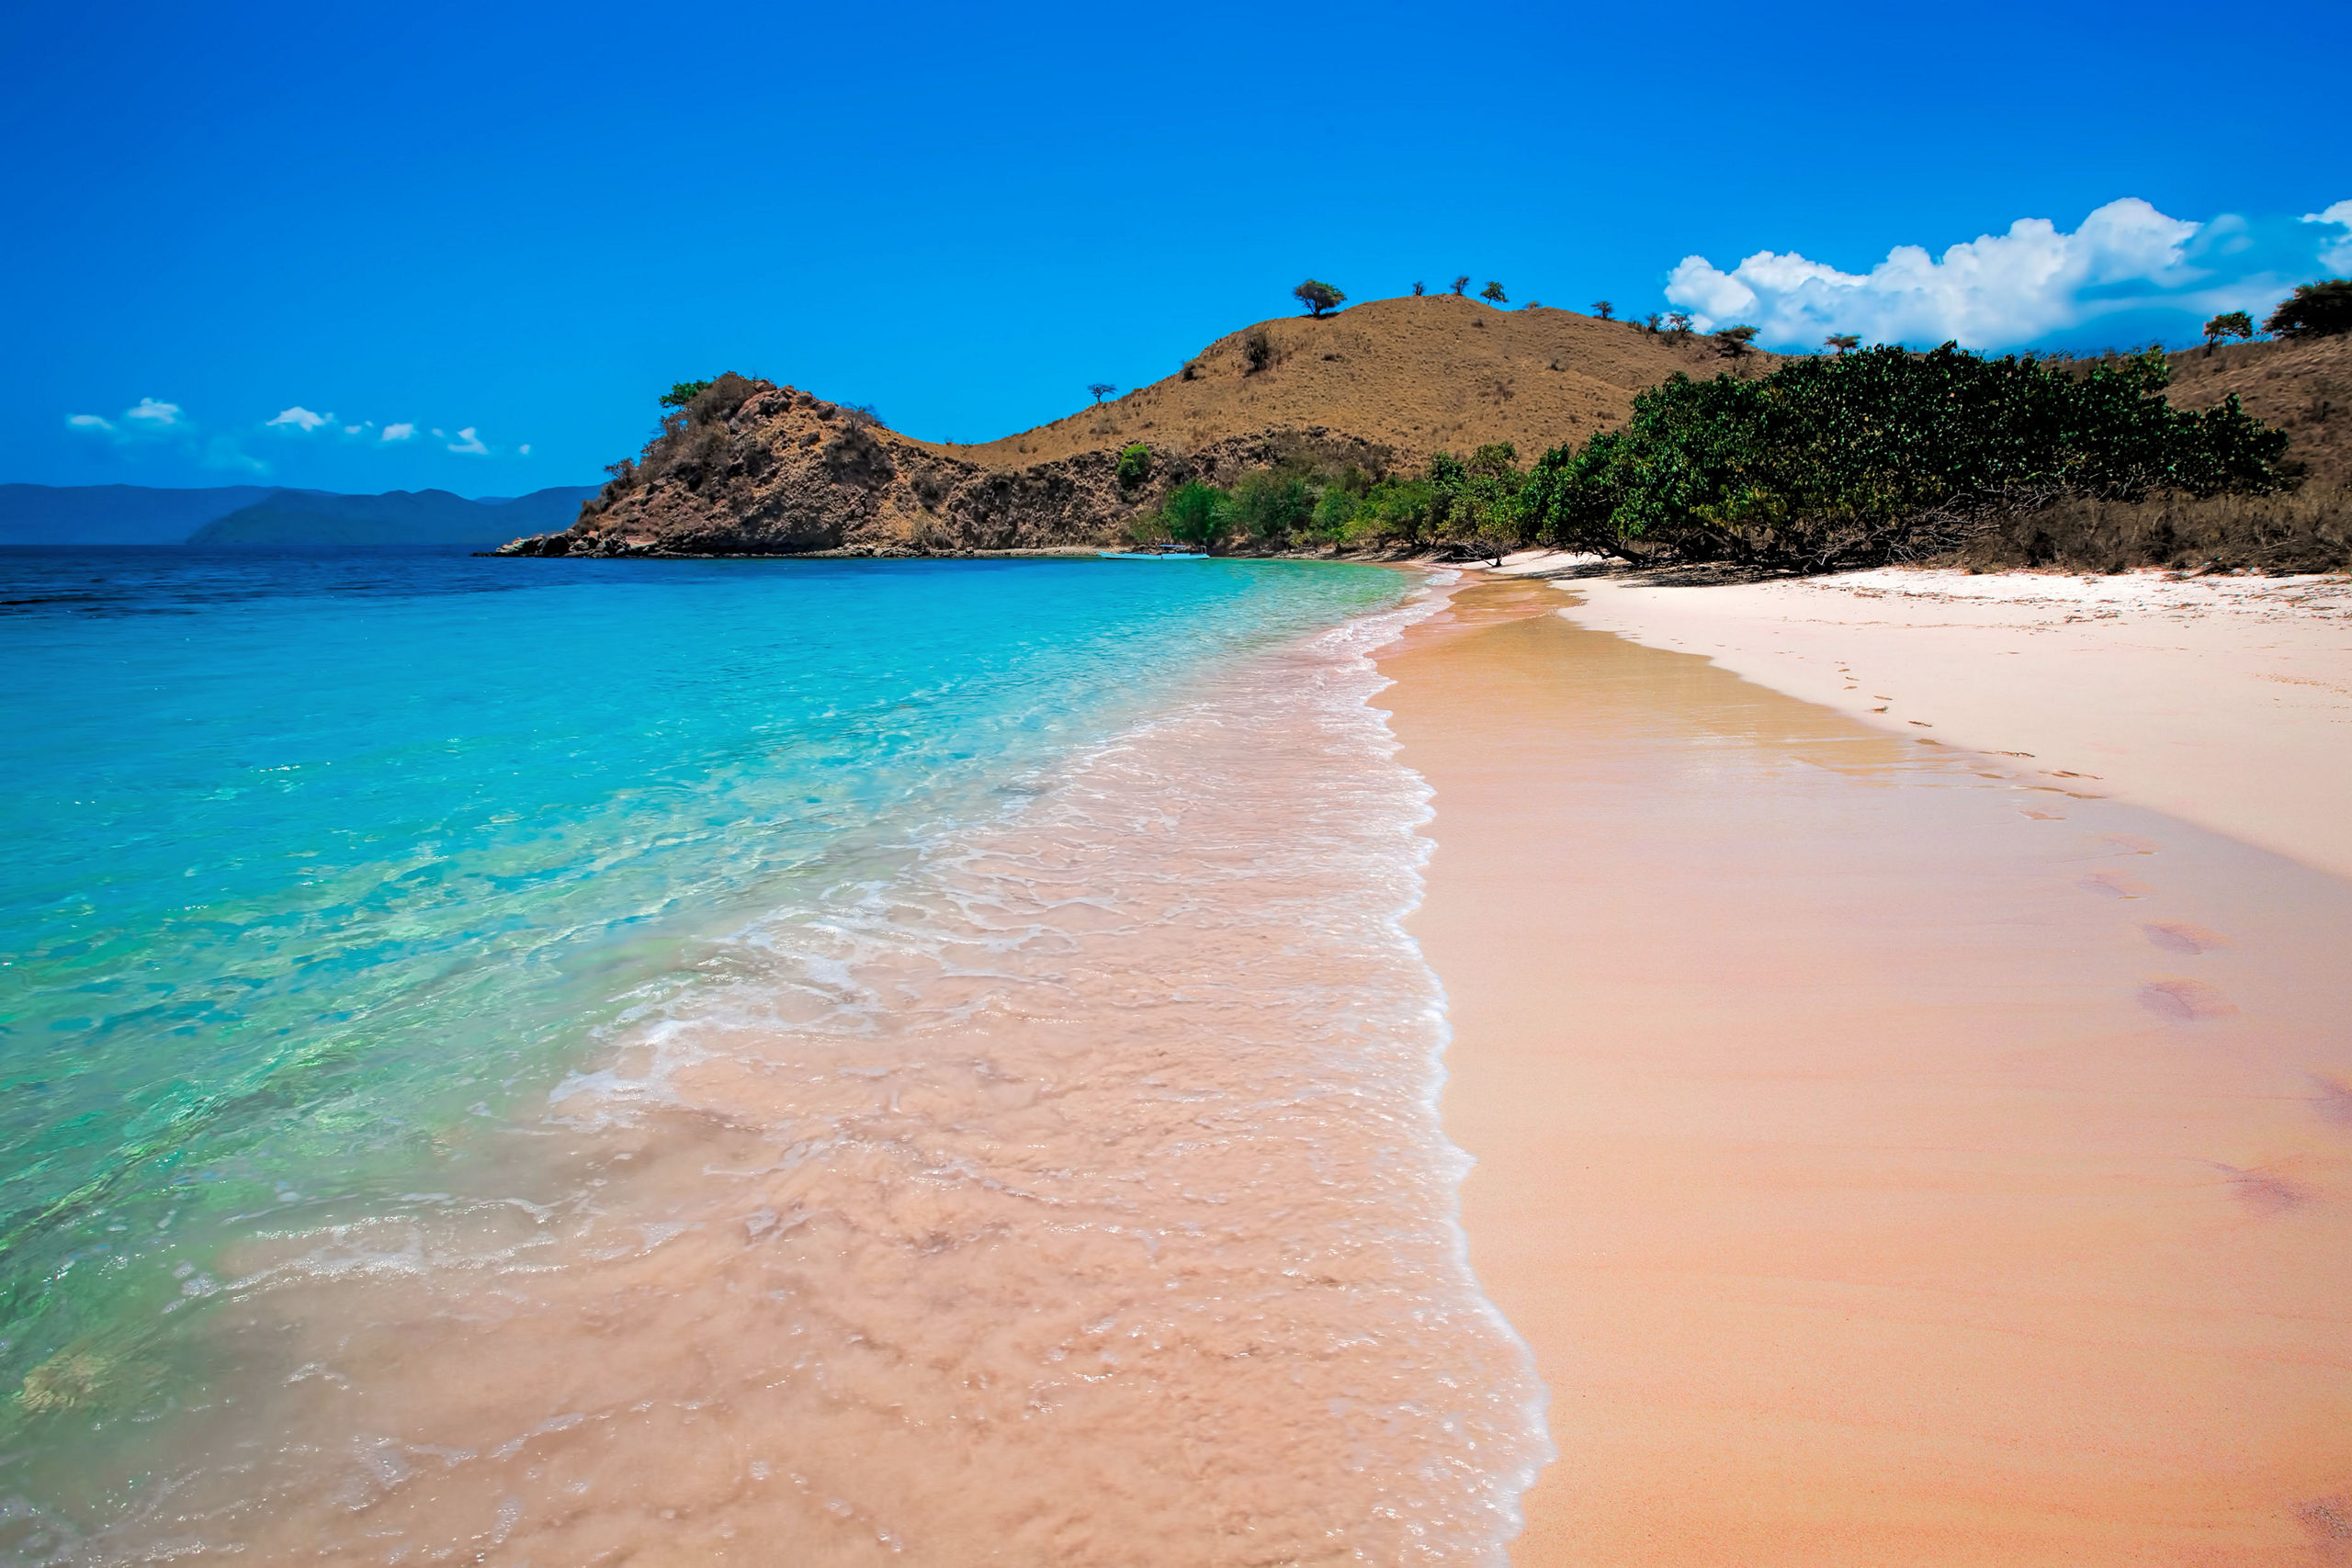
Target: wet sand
(2224, 699)
(1072, 1195)
(1889, 1159)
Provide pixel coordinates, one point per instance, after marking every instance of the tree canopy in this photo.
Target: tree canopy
(681, 393)
(1882, 455)
(2314, 310)
(1493, 294)
(2227, 325)
(1318, 297)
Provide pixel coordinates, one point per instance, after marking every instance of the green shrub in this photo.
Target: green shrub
(1268, 506)
(1495, 459)
(1148, 526)
(681, 393)
(1334, 510)
(1880, 455)
(1256, 350)
(1194, 514)
(1134, 466)
(1394, 511)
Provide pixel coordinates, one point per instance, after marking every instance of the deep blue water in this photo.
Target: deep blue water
(311, 858)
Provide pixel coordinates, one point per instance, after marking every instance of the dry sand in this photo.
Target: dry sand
(1889, 1159)
(2224, 699)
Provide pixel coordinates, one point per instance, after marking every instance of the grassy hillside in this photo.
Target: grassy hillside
(2303, 388)
(1414, 375)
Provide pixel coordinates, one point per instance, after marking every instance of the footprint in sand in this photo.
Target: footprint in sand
(2263, 1192)
(2185, 1000)
(2179, 936)
(2334, 1102)
(2114, 885)
(2328, 1522)
(2040, 815)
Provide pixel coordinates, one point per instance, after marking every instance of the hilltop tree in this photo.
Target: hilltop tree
(1419, 289)
(2225, 326)
(681, 393)
(1100, 390)
(2314, 310)
(1733, 342)
(1841, 343)
(1460, 284)
(1318, 297)
(1678, 324)
(1493, 294)
(1604, 309)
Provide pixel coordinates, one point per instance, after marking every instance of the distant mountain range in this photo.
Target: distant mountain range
(267, 517)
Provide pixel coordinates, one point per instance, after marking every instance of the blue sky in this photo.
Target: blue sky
(511, 227)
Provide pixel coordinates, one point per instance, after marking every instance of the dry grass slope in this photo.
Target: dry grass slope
(1414, 375)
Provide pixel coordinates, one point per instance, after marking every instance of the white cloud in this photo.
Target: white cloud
(2003, 289)
(2335, 255)
(440, 433)
(153, 427)
(525, 449)
(147, 424)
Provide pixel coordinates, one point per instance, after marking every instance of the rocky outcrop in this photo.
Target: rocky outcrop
(752, 469)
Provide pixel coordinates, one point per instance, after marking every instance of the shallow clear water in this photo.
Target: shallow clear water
(461, 1009)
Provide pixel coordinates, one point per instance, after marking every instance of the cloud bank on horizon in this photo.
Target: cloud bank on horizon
(153, 425)
(2028, 284)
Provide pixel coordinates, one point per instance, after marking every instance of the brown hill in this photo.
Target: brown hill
(753, 468)
(1416, 376)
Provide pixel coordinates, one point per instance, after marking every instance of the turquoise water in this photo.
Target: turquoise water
(317, 863)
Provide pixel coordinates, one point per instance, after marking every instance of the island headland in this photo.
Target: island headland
(1441, 425)
(752, 468)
